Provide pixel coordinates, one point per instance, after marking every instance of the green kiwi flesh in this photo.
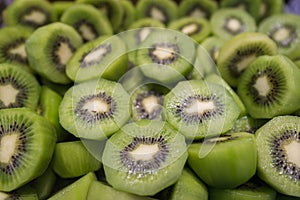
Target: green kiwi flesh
(94, 109)
(144, 158)
(226, 161)
(197, 8)
(247, 124)
(103, 57)
(270, 7)
(27, 144)
(278, 149)
(238, 52)
(67, 166)
(269, 87)
(87, 21)
(18, 87)
(76, 190)
(193, 107)
(49, 49)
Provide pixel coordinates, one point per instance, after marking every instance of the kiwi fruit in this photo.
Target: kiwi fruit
(147, 102)
(197, 8)
(224, 162)
(194, 106)
(163, 11)
(238, 52)
(100, 190)
(30, 13)
(196, 28)
(48, 105)
(269, 87)
(166, 55)
(278, 149)
(49, 48)
(94, 109)
(76, 190)
(18, 87)
(12, 48)
(254, 189)
(250, 6)
(87, 21)
(111, 8)
(27, 144)
(144, 157)
(68, 166)
(284, 30)
(247, 124)
(228, 22)
(270, 7)
(24, 193)
(103, 57)
(129, 14)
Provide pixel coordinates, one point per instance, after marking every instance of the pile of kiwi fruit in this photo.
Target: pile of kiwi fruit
(149, 99)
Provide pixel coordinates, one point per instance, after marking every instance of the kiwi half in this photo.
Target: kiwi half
(144, 158)
(226, 161)
(30, 13)
(238, 52)
(87, 21)
(284, 30)
(49, 49)
(27, 144)
(194, 107)
(269, 87)
(228, 22)
(104, 57)
(18, 87)
(197, 8)
(94, 109)
(278, 149)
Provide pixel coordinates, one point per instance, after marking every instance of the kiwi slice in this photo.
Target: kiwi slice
(166, 55)
(48, 105)
(226, 161)
(144, 158)
(196, 28)
(270, 7)
(197, 8)
(111, 8)
(68, 166)
(94, 109)
(195, 106)
(250, 6)
(76, 190)
(100, 190)
(253, 189)
(269, 87)
(163, 11)
(129, 14)
(285, 31)
(104, 57)
(238, 52)
(87, 20)
(12, 48)
(29, 13)
(228, 22)
(247, 124)
(18, 87)
(49, 49)
(44, 184)
(24, 193)
(27, 144)
(278, 154)
(147, 102)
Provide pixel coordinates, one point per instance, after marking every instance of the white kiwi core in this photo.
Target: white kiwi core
(8, 146)
(3, 196)
(96, 106)
(8, 94)
(233, 24)
(35, 16)
(64, 53)
(281, 34)
(244, 62)
(19, 50)
(189, 29)
(157, 14)
(95, 55)
(144, 33)
(198, 13)
(163, 53)
(150, 103)
(262, 9)
(293, 151)
(263, 85)
(199, 107)
(86, 32)
(144, 152)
